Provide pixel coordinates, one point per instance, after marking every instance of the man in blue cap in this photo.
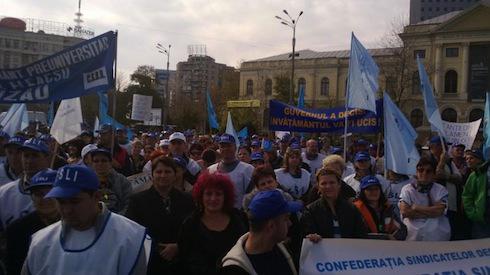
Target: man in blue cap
(89, 239)
(19, 232)
(11, 169)
(260, 251)
(257, 159)
(364, 167)
(15, 201)
(239, 172)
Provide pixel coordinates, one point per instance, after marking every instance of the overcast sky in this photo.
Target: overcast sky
(232, 30)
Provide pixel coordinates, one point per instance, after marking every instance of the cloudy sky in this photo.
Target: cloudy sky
(232, 30)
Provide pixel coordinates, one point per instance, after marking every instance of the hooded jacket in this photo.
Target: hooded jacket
(475, 194)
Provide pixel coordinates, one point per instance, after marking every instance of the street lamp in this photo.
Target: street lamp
(292, 24)
(165, 51)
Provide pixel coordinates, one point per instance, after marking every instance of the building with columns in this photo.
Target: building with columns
(454, 47)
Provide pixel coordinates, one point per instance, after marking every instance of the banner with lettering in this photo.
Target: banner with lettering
(76, 71)
(354, 256)
(461, 133)
(284, 117)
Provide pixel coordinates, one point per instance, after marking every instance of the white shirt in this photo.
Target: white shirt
(14, 203)
(429, 229)
(5, 175)
(240, 176)
(395, 191)
(297, 187)
(315, 164)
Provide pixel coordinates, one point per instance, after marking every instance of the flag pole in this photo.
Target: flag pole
(113, 141)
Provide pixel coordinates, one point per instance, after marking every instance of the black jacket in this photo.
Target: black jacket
(163, 222)
(318, 218)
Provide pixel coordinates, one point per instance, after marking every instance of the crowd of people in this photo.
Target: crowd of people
(218, 205)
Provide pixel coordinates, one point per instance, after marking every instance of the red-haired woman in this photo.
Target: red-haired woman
(212, 230)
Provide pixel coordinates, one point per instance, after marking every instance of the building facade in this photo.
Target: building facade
(421, 10)
(456, 53)
(23, 42)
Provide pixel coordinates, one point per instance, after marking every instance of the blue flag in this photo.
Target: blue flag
(486, 128)
(230, 129)
(431, 109)
(243, 133)
(51, 113)
(362, 83)
(301, 97)
(213, 121)
(73, 72)
(401, 155)
(15, 120)
(105, 118)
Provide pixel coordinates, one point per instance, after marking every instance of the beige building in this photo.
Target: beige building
(455, 48)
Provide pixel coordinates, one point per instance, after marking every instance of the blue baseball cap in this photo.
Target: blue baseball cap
(35, 144)
(44, 177)
(368, 181)
(286, 138)
(181, 162)
(295, 146)
(46, 138)
(255, 143)
(336, 150)
(226, 138)
(362, 156)
(71, 179)
(361, 142)
(269, 204)
(267, 145)
(15, 140)
(4, 135)
(256, 156)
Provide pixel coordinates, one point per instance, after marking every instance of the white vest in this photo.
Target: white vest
(297, 187)
(14, 203)
(240, 176)
(6, 176)
(115, 250)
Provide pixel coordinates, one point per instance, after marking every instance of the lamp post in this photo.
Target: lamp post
(292, 24)
(165, 51)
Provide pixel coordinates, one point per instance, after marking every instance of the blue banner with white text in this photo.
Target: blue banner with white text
(76, 71)
(284, 117)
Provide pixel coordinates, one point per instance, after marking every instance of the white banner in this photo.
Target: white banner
(354, 256)
(140, 182)
(461, 133)
(155, 118)
(141, 107)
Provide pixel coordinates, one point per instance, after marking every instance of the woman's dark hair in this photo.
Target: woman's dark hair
(425, 161)
(382, 198)
(246, 148)
(327, 172)
(289, 153)
(196, 146)
(261, 172)
(217, 181)
(166, 161)
(209, 156)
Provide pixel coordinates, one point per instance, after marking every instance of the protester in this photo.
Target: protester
(162, 209)
(260, 251)
(122, 139)
(195, 151)
(336, 163)
(178, 147)
(163, 146)
(238, 171)
(85, 154)
(148, 149)
(476, 195)
(423, 205)
(87, 137)
(331, 216)
(255, 146)
(313, 158)
(137, 160)
(397, 182)
(378, 214)
(283, 145)
(180, 182)
(364, 167)
(15, 200)
(85, 237)
(244, 154)
(447, 174)
(74, 149)
(114, 187)
(292, 177)
(457, 154)
(257, 160)
(11, 169)
(120, 158)
(19, 232)
(212, 230)
(272, 158)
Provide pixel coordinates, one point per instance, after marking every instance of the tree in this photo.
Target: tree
(281, 88)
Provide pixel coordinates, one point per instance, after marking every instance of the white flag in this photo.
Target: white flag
(67, 122)
(15, 120)
(231, 130)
